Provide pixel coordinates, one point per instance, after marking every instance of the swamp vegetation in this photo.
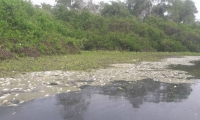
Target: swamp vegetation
(86, 61)
(69, 27)
(99, 61)
(63, 34)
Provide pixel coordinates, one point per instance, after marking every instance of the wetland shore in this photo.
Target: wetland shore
(106, 67)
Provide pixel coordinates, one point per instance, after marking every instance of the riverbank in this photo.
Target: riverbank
(86, 61)
(29, 85)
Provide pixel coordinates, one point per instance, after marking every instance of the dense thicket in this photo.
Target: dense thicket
(28, 31)
(67, 27)
(134, 25)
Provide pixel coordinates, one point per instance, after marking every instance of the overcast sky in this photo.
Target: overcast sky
(52, 2)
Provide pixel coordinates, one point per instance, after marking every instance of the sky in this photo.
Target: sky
(52, 2)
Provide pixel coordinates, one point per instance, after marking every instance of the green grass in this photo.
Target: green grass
(84, 61)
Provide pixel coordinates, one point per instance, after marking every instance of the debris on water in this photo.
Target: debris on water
(46, 95)
(42, 91)
(4, 96)
(15, 102)
(120, 88)
(38, 84)
(5, 101)
(6, 89)
(53, 83)
(14, 113)
(13, 105)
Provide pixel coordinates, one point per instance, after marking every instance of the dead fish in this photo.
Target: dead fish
(5, 101)
(46, 95)
(4, 96)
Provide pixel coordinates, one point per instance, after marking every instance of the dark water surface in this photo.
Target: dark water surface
(192, 70)
(141, 100)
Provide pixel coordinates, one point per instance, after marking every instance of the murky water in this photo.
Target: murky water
(149, 99)
(142, 100)
(193, 70)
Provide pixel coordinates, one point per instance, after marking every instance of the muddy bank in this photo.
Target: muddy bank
(26, 86)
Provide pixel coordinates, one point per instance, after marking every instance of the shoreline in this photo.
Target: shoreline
(27, 86)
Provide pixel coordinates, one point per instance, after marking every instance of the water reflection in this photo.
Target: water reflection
(73, 103)
(137, 93)
(191, 69)
(120, 100)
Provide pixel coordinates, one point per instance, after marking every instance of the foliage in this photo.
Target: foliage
(115, 9)
(134, 25)
(182, 11)
(25, 28)
(86, 61)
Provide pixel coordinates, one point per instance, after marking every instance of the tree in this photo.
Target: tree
(67, 3)
(114, 9)
(46, 7)
(60, 12)
(78, 5)
(182, 11)
(140, 8)
(160, 9)
(189, 11)
(93, 8)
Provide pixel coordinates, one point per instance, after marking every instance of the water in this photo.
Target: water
(120, 100)
(192, 70)
(142, 100)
